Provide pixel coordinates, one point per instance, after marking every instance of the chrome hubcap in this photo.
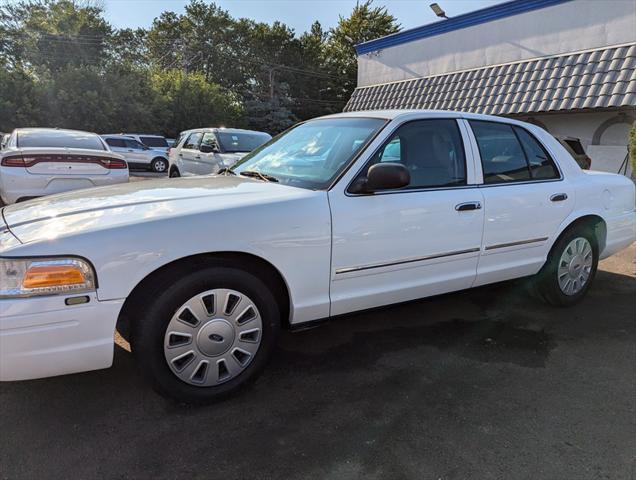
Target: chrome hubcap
(160, 166)
(213, 337)
(575, 266)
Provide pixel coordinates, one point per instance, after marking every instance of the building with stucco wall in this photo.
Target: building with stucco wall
(566, 65)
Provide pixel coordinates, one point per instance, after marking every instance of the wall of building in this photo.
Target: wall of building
(563, 28)
(604, 135)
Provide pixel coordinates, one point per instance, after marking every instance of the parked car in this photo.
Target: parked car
(331, 217)
(137, 154)
(156, 142)
(575, 148)
(207, 150)
(43, 161)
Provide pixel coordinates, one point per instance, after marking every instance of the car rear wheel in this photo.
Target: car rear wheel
(159, 165)
(570, 269)
(207, 335)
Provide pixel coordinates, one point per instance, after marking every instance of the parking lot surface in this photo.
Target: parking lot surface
(486, 383)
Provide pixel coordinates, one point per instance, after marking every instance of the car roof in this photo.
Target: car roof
(223, 129)
(421, 113)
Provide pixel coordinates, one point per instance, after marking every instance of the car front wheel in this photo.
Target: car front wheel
(207, 335)
(159, 165)
(570, 269)
(174, 172)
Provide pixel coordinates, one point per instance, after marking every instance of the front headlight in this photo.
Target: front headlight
(27, 277)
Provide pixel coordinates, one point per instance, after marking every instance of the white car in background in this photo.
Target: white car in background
(339, 214)
(203, 151)
(137, 154)
(42, 161)
(156, 142)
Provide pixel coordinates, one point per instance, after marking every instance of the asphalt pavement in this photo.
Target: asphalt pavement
(482, 384)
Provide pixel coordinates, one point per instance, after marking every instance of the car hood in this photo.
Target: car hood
(97, 208)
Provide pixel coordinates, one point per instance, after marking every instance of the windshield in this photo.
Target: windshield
(312, 154)
(241, 142)
(59, 139)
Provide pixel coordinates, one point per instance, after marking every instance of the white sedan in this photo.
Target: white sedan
(339, 214)
(43, 161)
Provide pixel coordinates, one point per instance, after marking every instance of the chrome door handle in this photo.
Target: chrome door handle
(464, 207)
(559, 197)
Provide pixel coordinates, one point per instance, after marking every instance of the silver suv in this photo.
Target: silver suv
(137, 154)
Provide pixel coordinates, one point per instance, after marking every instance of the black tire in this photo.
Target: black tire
(159, 165)
(547, 281)
(161, 303)
(174, 172)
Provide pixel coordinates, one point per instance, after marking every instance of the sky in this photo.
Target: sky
(298, 14)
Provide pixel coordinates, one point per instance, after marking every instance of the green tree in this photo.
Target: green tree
(366, 22)
(188, 100)
(53, 34)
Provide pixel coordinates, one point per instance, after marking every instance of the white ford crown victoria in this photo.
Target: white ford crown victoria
(342, 213)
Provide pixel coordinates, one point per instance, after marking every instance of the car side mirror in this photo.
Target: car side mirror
(208, 149)
(383, 176)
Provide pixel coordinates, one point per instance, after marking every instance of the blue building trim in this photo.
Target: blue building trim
(477, 17)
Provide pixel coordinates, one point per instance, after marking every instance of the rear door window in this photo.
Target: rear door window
(116, 142)
(502, 157)
(541, 165)
(154, 142)
(134, 144)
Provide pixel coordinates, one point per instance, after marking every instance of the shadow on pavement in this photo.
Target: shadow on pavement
(473, 384)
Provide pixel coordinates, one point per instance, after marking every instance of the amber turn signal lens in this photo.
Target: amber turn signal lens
(52, 276)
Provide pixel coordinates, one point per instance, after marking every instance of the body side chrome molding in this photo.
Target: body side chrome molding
(514, 244)
(340, 271)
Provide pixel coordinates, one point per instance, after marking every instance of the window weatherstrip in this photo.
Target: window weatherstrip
(340, 271)
(514, 244)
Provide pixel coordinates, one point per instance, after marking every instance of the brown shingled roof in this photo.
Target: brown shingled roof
(602, 78)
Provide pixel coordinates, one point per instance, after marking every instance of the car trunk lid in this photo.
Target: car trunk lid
(69, 161)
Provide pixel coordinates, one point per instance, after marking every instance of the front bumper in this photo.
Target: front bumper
(43, 337)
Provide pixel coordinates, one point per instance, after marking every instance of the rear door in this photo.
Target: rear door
(526, 199)
(136, 152)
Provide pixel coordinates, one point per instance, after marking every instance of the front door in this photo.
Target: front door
(525, 200)
(190, 155)
(424, 239)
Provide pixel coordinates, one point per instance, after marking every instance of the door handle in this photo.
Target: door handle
(464, 207)
(198, 156)
(559, 197)
(181, 154)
